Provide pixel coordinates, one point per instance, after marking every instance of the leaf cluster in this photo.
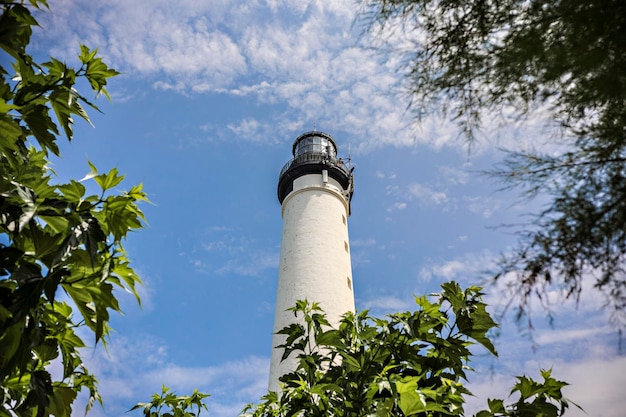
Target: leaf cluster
(60, 248)
(168, 404)
(407, 364)
(33, 93)
(536, 398)
(480, 58)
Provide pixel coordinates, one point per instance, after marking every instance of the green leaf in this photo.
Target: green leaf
(16, 31)
(60, 101)
(61, 401)
(92, 236)
(11, 132)
(6, 107)
(411, 400)
(108, 180)
(97, 71)
(41, 126)
(74, 191)
(496, 406)
(86, 54)
(350, 361)
(58, 224)
(526, 387)
(77, 108)
(330, 338)
(9, 343)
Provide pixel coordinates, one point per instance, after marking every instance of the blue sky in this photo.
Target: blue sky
(211, 97)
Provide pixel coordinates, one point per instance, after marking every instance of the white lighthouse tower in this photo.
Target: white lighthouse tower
(315, 189)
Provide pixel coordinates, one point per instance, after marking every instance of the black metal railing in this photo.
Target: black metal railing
(315, 157)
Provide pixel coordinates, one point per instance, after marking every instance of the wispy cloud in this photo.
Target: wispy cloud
(483, 206)
(398, 205)
(387, 304)
(225, 250)
(360, 243)
(383, 175)
(426, 195)
(300, 54)
(595, 384)
(138, 365)
(306, 56)
(463, 268)
(454, 175)
(552, 336)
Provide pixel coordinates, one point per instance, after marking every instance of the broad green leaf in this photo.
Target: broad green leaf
(86, 54)
(109, 180)
(61, 401)
(77, 108)
(58, 224)
(496, 406)
(411, 400)
(330, 338)
(11, 132)
(16, 31)
(74, 191)
(58, 70)
(122, 269)
(42, 127)
(9, 343)
(6, 107)
(60, 101)
(350, 360)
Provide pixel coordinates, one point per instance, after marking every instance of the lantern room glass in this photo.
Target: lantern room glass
(315, 145)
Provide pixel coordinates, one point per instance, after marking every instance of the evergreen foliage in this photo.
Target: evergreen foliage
(478, 59)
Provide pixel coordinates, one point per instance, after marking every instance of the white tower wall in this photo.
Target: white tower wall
(314, 258)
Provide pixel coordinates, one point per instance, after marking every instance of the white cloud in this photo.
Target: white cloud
(382, 175)
(426, 195)
(483, 206)
(595, 384)
(459, 269)
(387, 304)
(226, 251)
(308, 56)
(552, 336)
(362, 243)
(454, 175)
(591, 301)
(134, 368)
(248, 129)
(252, 265)
(300, 54)
(397, 206)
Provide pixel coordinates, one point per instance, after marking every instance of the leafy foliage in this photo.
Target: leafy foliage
(54, 238)
(535, 399)
(168, 404)
(409, 364)
(477, 58)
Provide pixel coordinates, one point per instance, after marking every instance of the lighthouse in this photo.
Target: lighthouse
(315, 190)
